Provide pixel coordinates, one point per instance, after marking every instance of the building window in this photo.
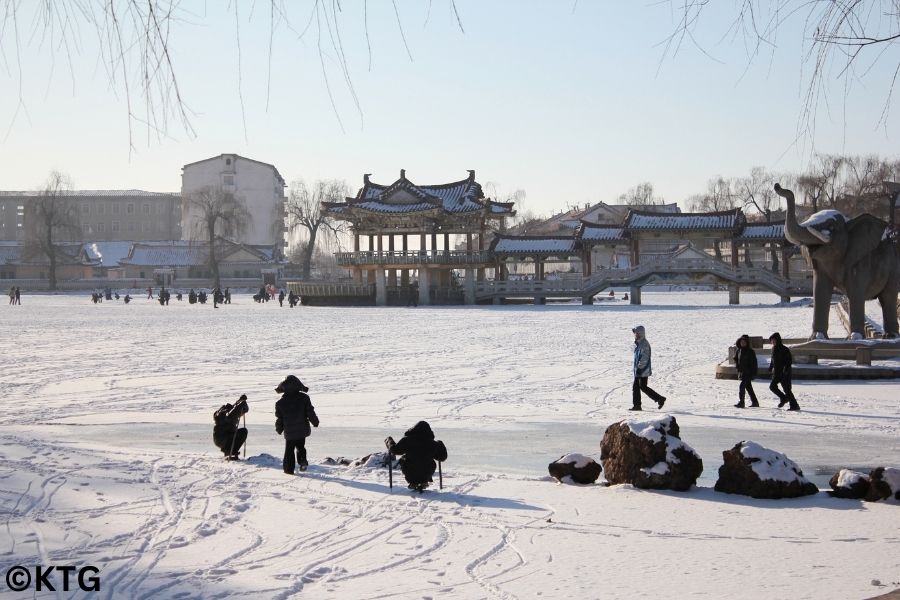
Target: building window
(114, 227)
(145, 209)
(101, 228)
(145, 227)
(85, 209)
(115, 208)
(130, 208)
(131, 229)
(101, 208)
(228, 179)
(228, 162)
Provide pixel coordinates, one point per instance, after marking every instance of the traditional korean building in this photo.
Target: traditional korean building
(404, 238)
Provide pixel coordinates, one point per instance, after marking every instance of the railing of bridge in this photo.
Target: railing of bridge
(332, 289)
(426, 257)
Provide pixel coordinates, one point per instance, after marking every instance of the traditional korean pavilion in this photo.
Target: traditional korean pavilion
(402, 238)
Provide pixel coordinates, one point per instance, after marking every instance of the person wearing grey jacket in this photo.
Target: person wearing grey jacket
(294, 413)
(642, 370)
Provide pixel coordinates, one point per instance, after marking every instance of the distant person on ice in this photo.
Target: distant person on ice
(294, 413)
(227, 434)
(780, 368)
(419, 450)
(745, 360)
(642, 370)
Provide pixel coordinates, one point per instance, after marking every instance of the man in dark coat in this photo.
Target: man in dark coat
(419, 450)
(780, 367)
(745, 360)
(294, 413)
(227, 434)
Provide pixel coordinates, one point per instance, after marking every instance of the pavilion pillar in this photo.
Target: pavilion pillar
(380, 288)
(635, 294)
(380, 243)
(469, 242)
(538, 268)
(635, 254)
(734, 294)
(586, 258)
(356, 242)
(424, 285)
(392, 278)
(404, 278)
(405, 244)
(391, 243)
(481, 271)
(469, 289)
(422, 246)
(356, 272)
(734, 253)
(371, 243)
(447, 242)
(370, 276)
(433, 243)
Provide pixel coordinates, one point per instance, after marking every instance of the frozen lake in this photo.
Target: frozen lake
(111, 408)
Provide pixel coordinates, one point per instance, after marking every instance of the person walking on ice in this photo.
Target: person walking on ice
(642, 371)
(780, 368)
(745, 360)
(294, 413)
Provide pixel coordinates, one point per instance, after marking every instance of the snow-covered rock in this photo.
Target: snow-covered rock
(576, 467)
(649, 455)
(885, 483)
(752, 470)
(849, 484)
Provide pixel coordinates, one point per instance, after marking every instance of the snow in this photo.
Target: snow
(823, 216)
(771, 465)
(106, 455)
(649, 429)
(848, 478)
(891, 476)
(580, 461)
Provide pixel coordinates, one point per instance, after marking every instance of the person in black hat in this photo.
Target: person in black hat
(227, 435)
(294, 413)
(642, 370)
(419, 450)
(780, 368)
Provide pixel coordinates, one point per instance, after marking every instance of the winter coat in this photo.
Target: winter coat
(745, 358)
(780, 365)
(419, 450)
(293, 414)
(642, 364)
(227, 422)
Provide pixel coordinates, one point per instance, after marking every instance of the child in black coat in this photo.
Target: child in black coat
(745, 360)
(419, 450)
(294, 413)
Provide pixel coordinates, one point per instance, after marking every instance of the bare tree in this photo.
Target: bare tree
(841, 37)
(305, 212)
(217, 214)
(640, 195)
(51, 218)
(758, 191)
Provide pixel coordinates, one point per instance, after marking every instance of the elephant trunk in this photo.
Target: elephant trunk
(792, 230)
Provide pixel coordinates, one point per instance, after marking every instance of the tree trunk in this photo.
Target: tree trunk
(213, 259)
(51, 256)
(308, 253)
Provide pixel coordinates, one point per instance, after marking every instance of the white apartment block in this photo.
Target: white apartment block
(258, 185)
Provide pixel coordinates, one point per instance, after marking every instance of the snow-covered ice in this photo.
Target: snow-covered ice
(106, 454)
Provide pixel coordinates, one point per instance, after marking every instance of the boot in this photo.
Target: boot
(782, 403)
(794, 406)
(739, 404)
(635, 408)
(661, 402)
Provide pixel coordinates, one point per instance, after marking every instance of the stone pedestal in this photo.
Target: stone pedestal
(734, 294)
(469, 289)
(634, 295)
(424, 285)
(380, 288)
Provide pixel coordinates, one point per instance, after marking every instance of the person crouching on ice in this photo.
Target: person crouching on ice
(294, 413)
(227, 436)
(419, 450)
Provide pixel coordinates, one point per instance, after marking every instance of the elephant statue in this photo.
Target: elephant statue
(856, 256)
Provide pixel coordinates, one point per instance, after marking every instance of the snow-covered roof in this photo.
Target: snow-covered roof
(108, 253)
(643, 220)
(172, 254)
(762, 231)
(544, 245)
(404, 196)
(590, 232)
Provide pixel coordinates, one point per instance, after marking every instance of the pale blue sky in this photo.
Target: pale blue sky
(572, 106)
